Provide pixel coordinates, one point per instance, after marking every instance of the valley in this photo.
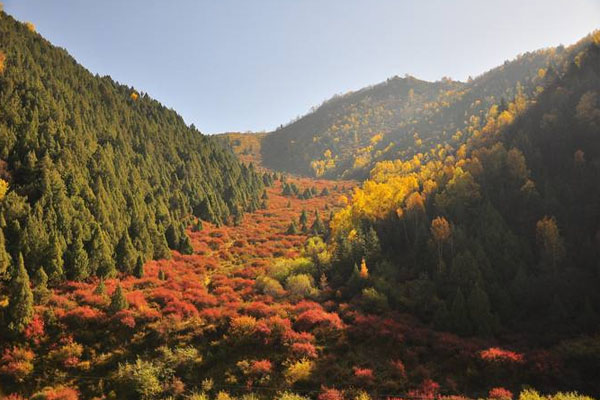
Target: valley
(411, 240)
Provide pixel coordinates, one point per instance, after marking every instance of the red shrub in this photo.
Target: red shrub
(60, 393)
(309, 319)
(261, 367)
(330, 394)
(180, 309)
(83, 316)
(500, 393)
(498, 355)
(16, 362)
(363, 374)
(163, 296)
(125, 318)
(427, 391)
(35, 329)
(304, 350)
(136, 299)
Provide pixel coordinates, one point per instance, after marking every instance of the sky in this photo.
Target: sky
(244, 65)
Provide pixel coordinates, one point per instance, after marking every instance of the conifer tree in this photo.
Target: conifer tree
(139, 268)
(100, 289)
(118, 301)
(102, 261)
(459, 317)
(126, 254)
(303, 220)
(4, 256)
(40, 281)
(78, 267)
(479, 310)
(20, 301)
(55, 260)
(317, 227)
(292, 229)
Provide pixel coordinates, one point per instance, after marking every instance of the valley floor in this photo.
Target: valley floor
(242, 315)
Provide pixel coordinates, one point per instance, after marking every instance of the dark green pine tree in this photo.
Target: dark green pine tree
(292, 229)
(264, 196)
(303, 220)
(20, 299)
(78, 267)
(102, 261)
(55, 262)
(4, 256)
(317, 227)
(459, 317)
(287, 190)
(100, 289)
(118, 301)
(139, 268)
(479, 310)
(40, 290)
(126, 254)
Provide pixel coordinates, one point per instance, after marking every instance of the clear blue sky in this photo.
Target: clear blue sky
(241, 65)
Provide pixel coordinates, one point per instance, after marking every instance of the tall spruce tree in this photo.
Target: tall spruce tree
(20, 300)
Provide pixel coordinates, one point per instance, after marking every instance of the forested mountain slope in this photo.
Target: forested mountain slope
(501, 235)
(347, 135)
(99, 175)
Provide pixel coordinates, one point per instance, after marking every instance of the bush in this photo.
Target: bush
(284, 267)
(373, 301)
(299, 371)
(290, 396)
(531, 394)
(139, 380)
(269, 286)
(301, 285)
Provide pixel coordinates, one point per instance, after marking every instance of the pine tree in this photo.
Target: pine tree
(317, 227)
(100, 289)
(40, 281)
(126, 254)
(118, 301)
(101, 257)
(459, 318)
(139, 268)
(292, 229)
(303, 220)
(20, 300)
(479, 310)
(78, 263)
(4, 256)
(55, 260)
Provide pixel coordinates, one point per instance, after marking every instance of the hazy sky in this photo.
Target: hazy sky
(229, 65)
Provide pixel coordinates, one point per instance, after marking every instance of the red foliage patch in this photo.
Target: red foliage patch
(498, 355)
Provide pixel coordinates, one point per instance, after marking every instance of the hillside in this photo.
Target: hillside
(348, 134)
(498, 236)
(99, 174)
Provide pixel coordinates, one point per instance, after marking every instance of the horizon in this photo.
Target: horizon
(218, 66)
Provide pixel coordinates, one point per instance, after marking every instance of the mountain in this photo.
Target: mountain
(99, 174)
(501, 235)
(348, 134)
